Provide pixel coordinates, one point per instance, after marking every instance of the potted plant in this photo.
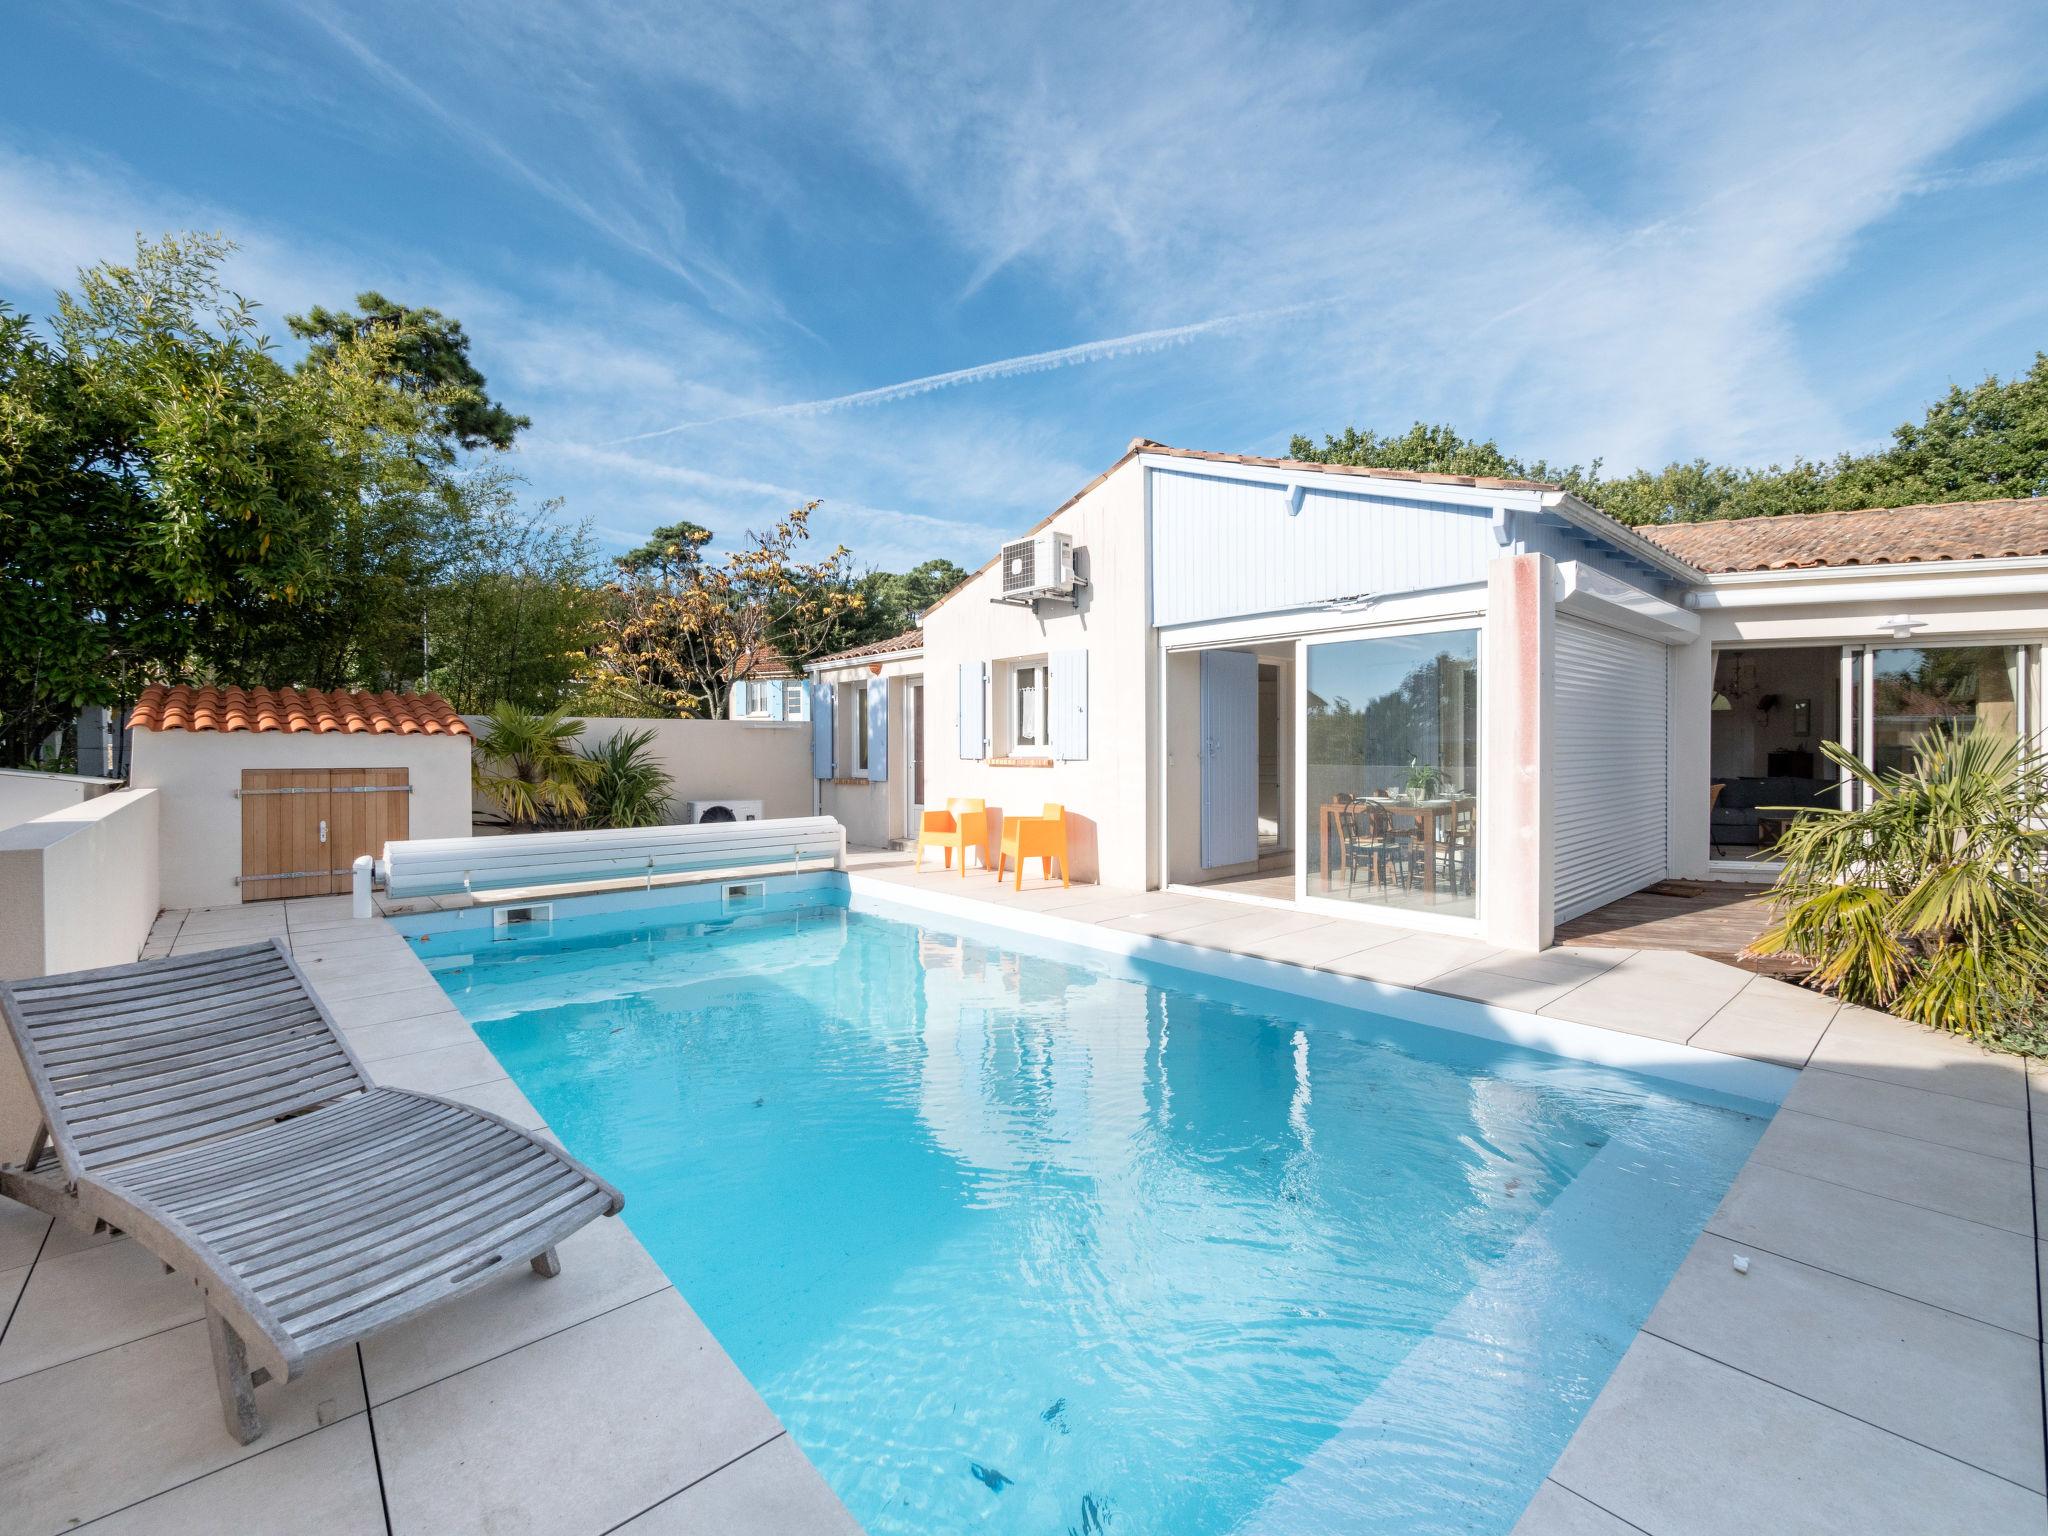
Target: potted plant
(1424, 780)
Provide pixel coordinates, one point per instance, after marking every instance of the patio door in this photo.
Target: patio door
(1892, 695)
(304, 828)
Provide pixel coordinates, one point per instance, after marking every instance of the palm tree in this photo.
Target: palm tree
(630, 788)
(1932, 901)
(528, 764)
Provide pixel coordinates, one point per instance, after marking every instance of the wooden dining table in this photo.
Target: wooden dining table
(1425, 813)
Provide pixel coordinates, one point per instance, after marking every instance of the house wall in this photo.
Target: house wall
(1110, 794)
(198, 772)
(1955, 604)
(875, 812)
(26, 794)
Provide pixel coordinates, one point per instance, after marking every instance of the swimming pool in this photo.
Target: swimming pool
(1021, 1239)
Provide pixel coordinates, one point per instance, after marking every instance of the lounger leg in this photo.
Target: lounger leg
(231, 1375)
(547, 1264)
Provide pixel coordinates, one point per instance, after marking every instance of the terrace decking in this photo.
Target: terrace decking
(1878, 1368)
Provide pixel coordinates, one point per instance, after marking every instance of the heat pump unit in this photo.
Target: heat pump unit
(1040, 566)
(698, 812)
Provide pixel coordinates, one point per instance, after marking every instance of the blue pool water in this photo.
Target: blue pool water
(1016, 1240)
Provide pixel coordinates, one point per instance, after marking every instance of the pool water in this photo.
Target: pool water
(1015, 1240)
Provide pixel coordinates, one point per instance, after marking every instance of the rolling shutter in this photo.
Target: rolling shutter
(1611, 765)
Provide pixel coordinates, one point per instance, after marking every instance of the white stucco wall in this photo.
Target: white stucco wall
(1108, 795)
(198, 772)
(26, 794)
(79, 886)
(876, 813)
(763, 760)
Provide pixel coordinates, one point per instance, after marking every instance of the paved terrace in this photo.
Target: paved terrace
(1878, 1369)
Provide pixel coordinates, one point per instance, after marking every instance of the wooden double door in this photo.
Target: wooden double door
(303, 828)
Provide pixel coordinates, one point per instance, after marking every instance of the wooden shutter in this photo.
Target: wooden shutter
(1067, 711)
(973, 711)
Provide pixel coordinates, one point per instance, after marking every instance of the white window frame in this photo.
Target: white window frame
(1014, 675)
(792, 700)
(753, 703)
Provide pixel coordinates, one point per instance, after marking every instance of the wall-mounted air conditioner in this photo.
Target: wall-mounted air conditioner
(697, 812)
(1040, 566)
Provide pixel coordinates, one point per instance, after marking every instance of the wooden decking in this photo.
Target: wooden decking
(1716, 919)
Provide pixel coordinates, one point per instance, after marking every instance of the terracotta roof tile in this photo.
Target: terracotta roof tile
(763, 665)
(1956, 530)
(295, 711)
(909, 640)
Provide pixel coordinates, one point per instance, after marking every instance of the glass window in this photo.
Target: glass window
(1392, 739)
(1953, 688)
(860, 727)
(792, 701)
(1027, 706)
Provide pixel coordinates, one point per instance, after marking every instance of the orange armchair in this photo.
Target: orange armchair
(963, 824)
(1042, 837)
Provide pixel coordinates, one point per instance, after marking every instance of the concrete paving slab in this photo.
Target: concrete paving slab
(1976, 1270)
(603, 1267)
(1869, 1044)
(1169, 918)
(1768, 1021)
(1961, 1387)
(1681, 1445)
(322, 1484)
(69, 1237)
(500, 1096)
(770, 1491)
(1483, 984)
(1557, 1511)
(438, 1071)
(1412, 959)
(1971, 1125)
(1660, 993)
(21, 1233)
(1557, 964)
(1316, 947)
(103, 1432)
(641, 1393)
(378, 1042)
(260, 919)
(413, 1002)
(85, 1301)
(1937, 1178)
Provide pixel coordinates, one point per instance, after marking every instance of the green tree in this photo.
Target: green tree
(424, 353)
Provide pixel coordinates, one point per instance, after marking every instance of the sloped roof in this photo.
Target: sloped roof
(765, 665)
(909, 640)
(1423, 477)
(295, 711)
(1956, 530)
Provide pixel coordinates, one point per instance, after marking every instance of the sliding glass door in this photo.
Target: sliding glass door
(1898, 693)
(1391, 740)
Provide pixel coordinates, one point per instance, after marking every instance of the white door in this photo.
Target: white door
(1230, 758)
(1610, 773)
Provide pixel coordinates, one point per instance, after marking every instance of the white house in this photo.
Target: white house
(1441, 701)
(867, 711)
(766, 687)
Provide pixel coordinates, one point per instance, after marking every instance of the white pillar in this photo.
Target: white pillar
(359, 887)
(1517, 835)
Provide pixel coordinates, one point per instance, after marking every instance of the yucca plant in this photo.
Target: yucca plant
(1932, 901)
(630, 787)
(529, 765)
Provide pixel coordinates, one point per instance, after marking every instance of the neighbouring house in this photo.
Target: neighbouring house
(268, 793)
(766, 687)
(1448, 702)
(867, 710)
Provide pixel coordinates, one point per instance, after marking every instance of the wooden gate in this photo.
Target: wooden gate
(303, 828)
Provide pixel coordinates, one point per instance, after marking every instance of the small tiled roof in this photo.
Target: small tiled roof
(762, 666)
(295, 710)
(1424, 477)
(1956, 530)
(909, 640)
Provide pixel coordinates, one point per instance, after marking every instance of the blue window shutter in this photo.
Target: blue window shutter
(878, 729)
(1068, 711)
(821, 729)
(973, 711)
(1230, 758)
(774, 691)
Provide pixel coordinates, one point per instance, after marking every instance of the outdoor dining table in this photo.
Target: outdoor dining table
(1425, 813)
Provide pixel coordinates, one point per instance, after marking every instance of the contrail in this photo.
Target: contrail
(1031, 362)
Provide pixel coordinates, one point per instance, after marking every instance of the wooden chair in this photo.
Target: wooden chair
(208, 1107)
(1042, 837)
(963, 824)
(1371, 840)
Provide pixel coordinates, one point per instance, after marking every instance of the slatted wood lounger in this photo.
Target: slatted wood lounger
(209, 1107)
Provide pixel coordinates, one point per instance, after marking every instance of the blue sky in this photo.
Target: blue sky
(1744, 231)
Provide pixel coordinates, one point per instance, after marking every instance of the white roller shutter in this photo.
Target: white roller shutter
(1611, 779)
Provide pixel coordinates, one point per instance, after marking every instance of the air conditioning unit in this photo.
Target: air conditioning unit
(698, 812)
(1040, 566)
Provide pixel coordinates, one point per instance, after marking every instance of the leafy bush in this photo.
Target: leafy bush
(630, 788)
(529, 765)
(1931, 902)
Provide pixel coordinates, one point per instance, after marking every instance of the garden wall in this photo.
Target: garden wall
(763, 760)
(26, 794)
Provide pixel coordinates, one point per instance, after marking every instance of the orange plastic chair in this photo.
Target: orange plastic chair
(963, 824)
(1043, 838)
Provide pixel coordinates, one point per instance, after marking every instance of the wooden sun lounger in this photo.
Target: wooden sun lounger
(209, 1107)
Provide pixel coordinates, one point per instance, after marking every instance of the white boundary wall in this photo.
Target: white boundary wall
(26, 794)
(79, 887)
(765, 760)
